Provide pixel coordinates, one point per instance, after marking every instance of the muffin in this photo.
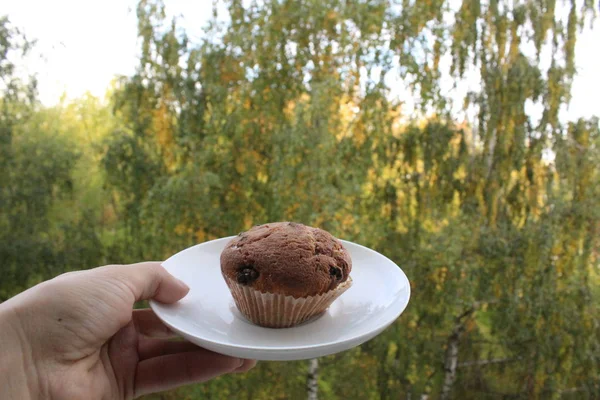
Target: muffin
(282, 274)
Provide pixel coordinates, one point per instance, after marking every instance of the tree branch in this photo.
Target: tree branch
(487, 362)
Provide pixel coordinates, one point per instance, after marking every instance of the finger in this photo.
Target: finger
(246, 366)
(150, 348)
(170, 371)
(148, 324)
(149, 280)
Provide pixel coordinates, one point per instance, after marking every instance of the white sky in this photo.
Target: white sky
(84, 44)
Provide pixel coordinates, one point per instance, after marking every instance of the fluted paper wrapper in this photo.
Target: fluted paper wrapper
(279, 311)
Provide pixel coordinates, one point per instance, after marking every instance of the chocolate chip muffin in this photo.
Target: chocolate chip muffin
(281, 274)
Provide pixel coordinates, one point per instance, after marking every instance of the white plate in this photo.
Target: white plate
(207, 316)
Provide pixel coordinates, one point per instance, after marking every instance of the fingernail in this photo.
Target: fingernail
(183, 284)
(239, 366)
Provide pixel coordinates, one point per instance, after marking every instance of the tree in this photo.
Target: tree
(41, 176)
(474, 212)
(290, 110)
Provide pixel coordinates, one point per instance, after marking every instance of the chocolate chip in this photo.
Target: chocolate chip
(246, 275)
(294, 224)
(335, 272)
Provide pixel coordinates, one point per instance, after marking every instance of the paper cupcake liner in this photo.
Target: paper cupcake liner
(280, 311)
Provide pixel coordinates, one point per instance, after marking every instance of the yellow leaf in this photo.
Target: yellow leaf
(180, 229)
(240, 167)
(200, 236)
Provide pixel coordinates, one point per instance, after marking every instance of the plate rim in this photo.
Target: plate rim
(154, 305)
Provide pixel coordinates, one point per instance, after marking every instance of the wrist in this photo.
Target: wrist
(18, 376)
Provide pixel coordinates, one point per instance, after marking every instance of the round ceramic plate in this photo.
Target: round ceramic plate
(208, 317)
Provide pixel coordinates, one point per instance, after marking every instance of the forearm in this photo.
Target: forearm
(17, 372)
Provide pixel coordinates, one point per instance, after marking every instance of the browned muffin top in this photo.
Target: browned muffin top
(286, 258)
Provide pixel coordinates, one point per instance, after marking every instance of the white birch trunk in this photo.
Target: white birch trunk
(312, 381)
(450, 364)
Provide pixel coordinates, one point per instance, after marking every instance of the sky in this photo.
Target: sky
(82, 45)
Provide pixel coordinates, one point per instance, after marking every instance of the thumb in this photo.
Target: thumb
(149, 280)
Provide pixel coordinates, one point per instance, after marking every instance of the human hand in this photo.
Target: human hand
(78, 337)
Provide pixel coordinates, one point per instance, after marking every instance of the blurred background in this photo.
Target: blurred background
(458, 138)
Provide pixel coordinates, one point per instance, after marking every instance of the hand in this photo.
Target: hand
(78, 337)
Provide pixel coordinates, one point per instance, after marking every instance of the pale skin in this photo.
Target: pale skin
(78, 337)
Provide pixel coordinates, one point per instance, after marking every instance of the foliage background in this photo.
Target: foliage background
(289, 110)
